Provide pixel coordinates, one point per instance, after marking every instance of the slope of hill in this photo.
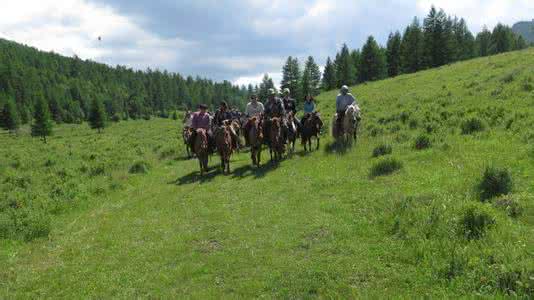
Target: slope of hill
(316, 225)
(526, 29)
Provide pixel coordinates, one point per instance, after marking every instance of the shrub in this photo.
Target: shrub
(383, 149)
(474, 222)
(509, 204)
(495, 182)
(472, 125)
(422, 142)
(527, 85)
(139, 167)
(115, 118)
(413, 124)
(385, 167)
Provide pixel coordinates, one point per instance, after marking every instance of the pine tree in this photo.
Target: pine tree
(436, 39)
(345, 67)
(266, 84)
(9, 116)
(501, 39)
(355, 56)
(329, 81)
(97, 115)
(42, 125)
(412, 48)
(311, 78)
(291, 77)
(483, 42)
(393, 54)
(373, 62)
(464, 41)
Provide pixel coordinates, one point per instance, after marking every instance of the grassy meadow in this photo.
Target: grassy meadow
(125, 214)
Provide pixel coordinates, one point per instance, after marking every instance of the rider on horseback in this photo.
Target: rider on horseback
(223, 114)
(274, 107)
(201, 120)
(343, 100)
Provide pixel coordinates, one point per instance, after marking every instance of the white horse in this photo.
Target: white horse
(349, 129)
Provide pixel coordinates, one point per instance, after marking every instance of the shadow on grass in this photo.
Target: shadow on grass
(249, 170)
(195, 177)
(337, 148)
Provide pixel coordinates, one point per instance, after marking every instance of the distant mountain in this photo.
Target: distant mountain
(526, 29)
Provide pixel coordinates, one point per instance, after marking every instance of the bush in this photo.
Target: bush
(422, 142)
(510, 205)
(472, 125)
(385, 167)
(383, 149)
(495, 182)
(115, 118)
(27, 224)
(474, 222)
(139, 167)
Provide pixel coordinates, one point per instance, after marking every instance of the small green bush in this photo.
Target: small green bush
(115, 118)
(382, 149)
(139, 167)
(385, 167)
(472, 125)
(422, 142)
(495, 182)
(474, 222)
(510, 205)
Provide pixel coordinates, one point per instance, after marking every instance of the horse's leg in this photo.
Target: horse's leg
(258, 158)
(201, 166)
(318, 142)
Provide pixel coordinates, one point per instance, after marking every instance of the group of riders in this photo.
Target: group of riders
(284, 109)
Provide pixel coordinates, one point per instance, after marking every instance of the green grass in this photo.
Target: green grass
(316, 225)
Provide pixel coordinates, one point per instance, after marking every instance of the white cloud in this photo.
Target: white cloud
(72, 27)
(256, 79)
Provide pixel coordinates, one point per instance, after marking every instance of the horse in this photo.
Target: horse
(201, 149)
(292, 132)
(349, 125)
(276, 144)
(236, 127)
(311, 128)
(254, 133)
(187, 132)
(223, 140)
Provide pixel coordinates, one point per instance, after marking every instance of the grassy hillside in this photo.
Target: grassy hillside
(316, 225)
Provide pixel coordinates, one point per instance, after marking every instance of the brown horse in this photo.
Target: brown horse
(223, 139)
(276, 144)
(292, 132)
(186, 136)
(311, 128)
(200, 147)
(236, 127)
(254, 133)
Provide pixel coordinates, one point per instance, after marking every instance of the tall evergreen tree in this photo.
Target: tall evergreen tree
(464, 41)
(355, 56)
(311, 78)
(266, 84)
(483, 42)
(373, 61)
(97, 115)
(329, 81)
(436, 32)
(42, 125)
(501, 39)
(393, 54)
(412, 48)
(344, 67)
(9, 116)
(291, 77)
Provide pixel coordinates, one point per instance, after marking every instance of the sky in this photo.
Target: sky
(233, 40)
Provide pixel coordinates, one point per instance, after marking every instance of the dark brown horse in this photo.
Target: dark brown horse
(276, 144)
(292, 132)
(254, 134)
(223, 140)
(311, 128)
(201, 149)
(187, 132)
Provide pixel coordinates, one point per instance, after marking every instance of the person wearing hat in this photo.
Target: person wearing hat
(289, 103)
(223, 114)
(254, 107)
(343, 100)
(202, 120)
(274, 107)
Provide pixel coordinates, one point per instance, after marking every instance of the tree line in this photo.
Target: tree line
(69, 86)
